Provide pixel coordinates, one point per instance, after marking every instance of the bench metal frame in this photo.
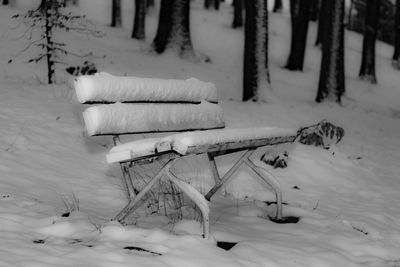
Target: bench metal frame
(172, 157)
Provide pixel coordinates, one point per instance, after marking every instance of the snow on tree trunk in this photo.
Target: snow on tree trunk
(237, 14)
(367, 70)
(139, 21)
(116, 13)
(256, 80)
(396, 53)
(331, 82)
(300, 13)
(277, 6)
(173, 28)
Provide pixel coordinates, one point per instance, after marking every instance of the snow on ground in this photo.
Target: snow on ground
(57, 193)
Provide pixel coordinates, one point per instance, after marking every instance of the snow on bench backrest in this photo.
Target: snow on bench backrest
(122, 118)
(172, 105)
(104, 87)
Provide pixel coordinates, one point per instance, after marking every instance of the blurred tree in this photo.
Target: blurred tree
(116, 20)
(331, 82)
(300, 14)
(321, 22)
(314, 10)
(209, 3)
(139, 20)
(386, 19)
(367, 70)
(396, 53)
(237, 14)
(256, 79)
(277, 6)
(173, 28)
(216, 4)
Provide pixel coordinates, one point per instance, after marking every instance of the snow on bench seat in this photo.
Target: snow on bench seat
(104, 87)
(132, 150)
(201, 142)
(226, 139)
(122, 118)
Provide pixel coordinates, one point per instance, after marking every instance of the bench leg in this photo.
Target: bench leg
(229, 174)
(269, 179)
(214, 168)
(130, 207)
(196, 197)
(128, 181)
(265, 176)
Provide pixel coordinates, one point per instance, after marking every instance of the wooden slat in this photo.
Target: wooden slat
(230, 147)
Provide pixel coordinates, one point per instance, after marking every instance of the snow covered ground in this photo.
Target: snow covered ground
(58, 194)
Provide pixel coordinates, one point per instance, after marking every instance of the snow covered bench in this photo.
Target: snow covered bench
(130, 105)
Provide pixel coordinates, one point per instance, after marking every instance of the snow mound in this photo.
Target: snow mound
(122, 118)
(104, 87)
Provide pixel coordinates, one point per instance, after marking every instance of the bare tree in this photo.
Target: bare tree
(139, 20)
(367, 70)
(116, 20)
(300, 13)
(256, 79)
(331, 82)
(51, 17)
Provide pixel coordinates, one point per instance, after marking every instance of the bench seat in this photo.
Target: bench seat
(199, 142)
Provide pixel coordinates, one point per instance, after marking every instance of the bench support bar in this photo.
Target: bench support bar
(263, 174)
(192, 193)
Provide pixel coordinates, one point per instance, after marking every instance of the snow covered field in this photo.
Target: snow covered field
(347, 198)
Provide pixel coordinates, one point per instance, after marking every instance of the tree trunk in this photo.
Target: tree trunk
(314, 10)
(150, 3)
(216, 4)
(256, 80)
(173, 28)
(322, 21)
(331, 81)
(49, 41)
(237, 14)
(116, 13)
(207, 4)
(349, 16)
(277, 6)
(300, 13)
(367, 70)
(396, 54)
(140, 18)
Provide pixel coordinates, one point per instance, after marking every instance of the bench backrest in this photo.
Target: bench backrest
(130, 105)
